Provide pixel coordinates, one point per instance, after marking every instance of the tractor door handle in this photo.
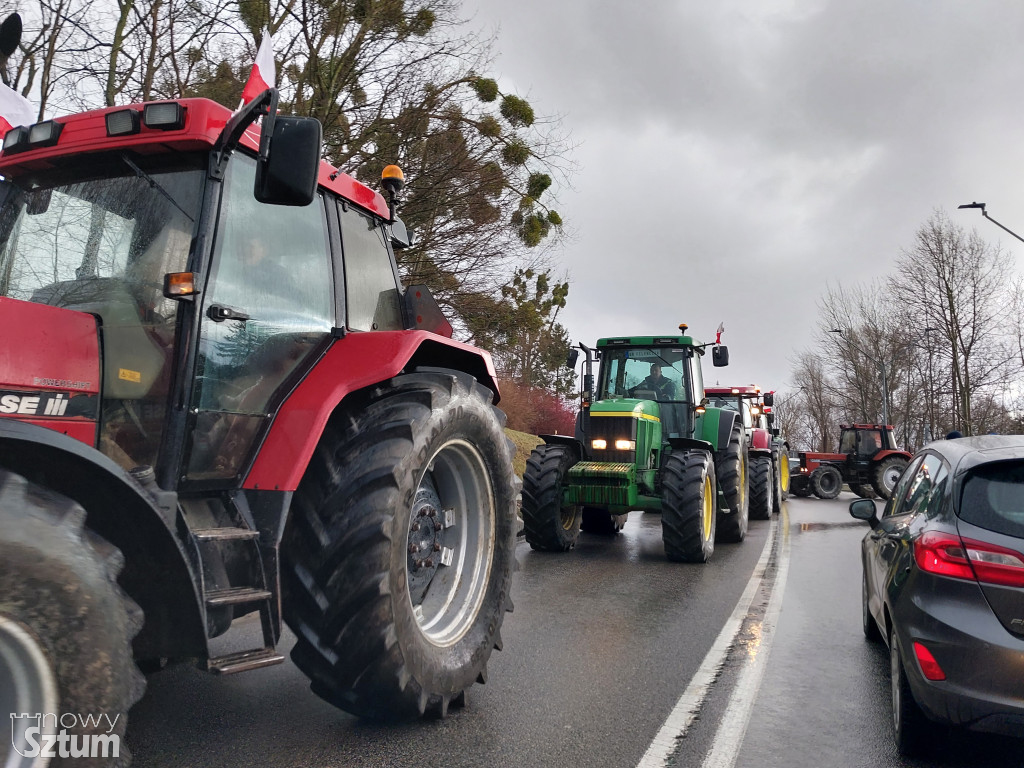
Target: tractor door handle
(219, 314)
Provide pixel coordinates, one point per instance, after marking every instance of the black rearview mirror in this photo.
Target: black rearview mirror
(720, 356)
(291, 148)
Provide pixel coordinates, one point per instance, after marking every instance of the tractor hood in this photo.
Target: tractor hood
(50, 368)
(631, 407)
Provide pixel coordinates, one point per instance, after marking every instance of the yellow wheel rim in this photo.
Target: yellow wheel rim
(568, 517)
(784, 472)
(709, 508)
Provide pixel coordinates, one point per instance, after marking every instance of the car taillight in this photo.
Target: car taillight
(948, 555)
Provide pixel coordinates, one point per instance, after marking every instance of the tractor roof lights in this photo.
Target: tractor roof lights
(165, 115)
(123, 122)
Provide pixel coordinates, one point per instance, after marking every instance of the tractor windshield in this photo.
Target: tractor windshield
(645, 373)
(97, 235)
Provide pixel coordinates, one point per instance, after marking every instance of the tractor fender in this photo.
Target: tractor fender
(689, 444)
(572, 442)
(355, 362)
(760, 441)
(882, 455)
(725, 421)
(157, 574)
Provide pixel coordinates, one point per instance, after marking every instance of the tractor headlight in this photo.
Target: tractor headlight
(625, 445)
(599, 445)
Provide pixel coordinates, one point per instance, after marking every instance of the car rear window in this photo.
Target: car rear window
(993, 498)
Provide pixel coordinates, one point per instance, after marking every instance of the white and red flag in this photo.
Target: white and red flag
(15, 109)
(719, 332)
(263, 75)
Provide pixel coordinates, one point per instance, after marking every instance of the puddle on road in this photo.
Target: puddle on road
(829, 526)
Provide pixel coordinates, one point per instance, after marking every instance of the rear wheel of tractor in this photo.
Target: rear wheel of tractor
(731, 469)
(688, 515)
(399, 551)
(784, 477)
(547, 523)
(762, 488)
(66, 627)
(826, 482)
(601, 521)
(886, 473)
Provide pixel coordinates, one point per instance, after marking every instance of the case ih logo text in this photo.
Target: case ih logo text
(46, 735)
(43, 404)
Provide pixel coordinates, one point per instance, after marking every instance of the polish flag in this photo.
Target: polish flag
(15, 109)
(719, 332)
(262, 75)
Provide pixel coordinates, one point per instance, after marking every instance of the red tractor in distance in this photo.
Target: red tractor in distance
(867, 460)
(217, 400)
(768, 452)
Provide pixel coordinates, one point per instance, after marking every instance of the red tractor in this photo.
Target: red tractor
(768, 452)
(217, 400)
(868, 460)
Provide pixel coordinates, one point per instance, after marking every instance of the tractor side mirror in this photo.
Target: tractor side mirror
(290, 161)
(401, 237)
(720, 356)
(769, 398)
(571, 358)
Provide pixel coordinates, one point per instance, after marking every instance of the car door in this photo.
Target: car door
(880, 545)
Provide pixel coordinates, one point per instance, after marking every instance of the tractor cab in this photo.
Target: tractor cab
(865, 440)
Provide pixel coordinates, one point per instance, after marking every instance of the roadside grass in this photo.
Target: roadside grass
(524, 444)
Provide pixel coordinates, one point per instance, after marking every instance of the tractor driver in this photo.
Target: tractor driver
(664, 387)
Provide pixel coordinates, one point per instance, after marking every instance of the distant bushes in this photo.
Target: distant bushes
(536, 411)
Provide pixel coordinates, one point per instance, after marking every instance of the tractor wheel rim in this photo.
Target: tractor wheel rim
(709, 508)
(28, 684)
(567, 517)
(452, 531)
(890, 476)
(784, 473)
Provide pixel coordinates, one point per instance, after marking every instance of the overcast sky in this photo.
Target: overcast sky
(738, 157)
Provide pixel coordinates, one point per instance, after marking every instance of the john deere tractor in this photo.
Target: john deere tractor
(645, 440)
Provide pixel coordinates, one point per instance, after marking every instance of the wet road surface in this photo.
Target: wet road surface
(606, 645)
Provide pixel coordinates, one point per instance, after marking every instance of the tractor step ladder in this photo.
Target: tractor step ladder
(239, 661)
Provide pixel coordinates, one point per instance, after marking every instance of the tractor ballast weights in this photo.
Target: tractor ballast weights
(645, 440)
(227, 404)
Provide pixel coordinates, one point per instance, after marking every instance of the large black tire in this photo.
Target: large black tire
(601, 521)
(732, 472)
(863, 491)
(548, 524)
(688, 514)
(65, 625)
(911, 729)
(886, 473)
(399, 551)
(800, 486)
(826, 482)
(762, 488)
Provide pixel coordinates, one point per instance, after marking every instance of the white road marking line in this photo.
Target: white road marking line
(733, 727)
(666, 741)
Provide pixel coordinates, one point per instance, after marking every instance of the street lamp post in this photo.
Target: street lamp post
(981, 207)
(881, 367)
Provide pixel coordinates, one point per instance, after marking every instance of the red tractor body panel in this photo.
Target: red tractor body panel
(49, 357)
(357, 361)
(204, 122)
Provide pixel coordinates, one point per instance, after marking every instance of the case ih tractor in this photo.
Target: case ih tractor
(867, 460)
(216, 400)
(647, 441)
(769, 453)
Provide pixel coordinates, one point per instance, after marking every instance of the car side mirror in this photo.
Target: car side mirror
(864, 509)
(720, 356)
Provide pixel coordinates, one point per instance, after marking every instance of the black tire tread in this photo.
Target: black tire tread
(682, 506)
(762, 488)
(731, 468)
(542, 497)
(339, 598)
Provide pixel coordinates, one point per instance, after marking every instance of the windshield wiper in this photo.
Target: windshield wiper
(153, 183)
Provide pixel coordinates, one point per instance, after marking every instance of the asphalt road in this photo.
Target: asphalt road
(613, 657)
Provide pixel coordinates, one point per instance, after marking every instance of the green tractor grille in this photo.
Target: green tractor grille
(596, 483)
(610, 429)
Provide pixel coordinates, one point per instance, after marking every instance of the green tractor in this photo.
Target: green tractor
(646, 441)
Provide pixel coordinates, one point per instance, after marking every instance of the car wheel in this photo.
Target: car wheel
(909, 725)
(871, 631)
